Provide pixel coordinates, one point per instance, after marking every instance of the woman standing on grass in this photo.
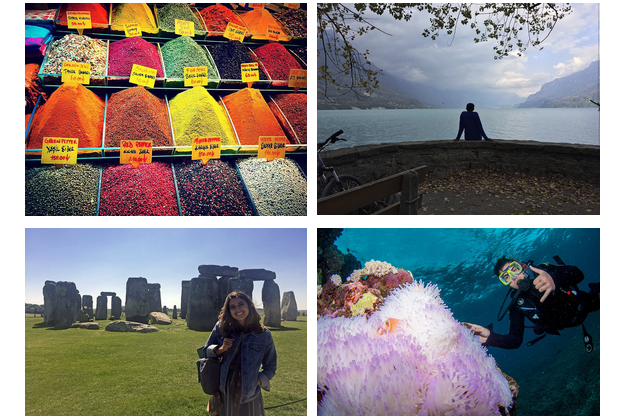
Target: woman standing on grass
(245, 346)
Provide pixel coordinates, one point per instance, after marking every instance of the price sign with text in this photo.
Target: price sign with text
(234, 32)
(79, 20)
(272, 147)
(143, 76)
(135, 152)
(132, 29)
(195, 76)
(206, 149)
(273, 33)
(75, 71)
(250, 72)
(59, 151)
(298, 79)
(183, 27)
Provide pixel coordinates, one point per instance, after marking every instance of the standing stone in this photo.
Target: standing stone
(88, 306)
(116, 308)
(184, 297)
(289, 310)
(203, 306)
(242, 284)
(174, 316)
(154, 297)
(101, 308)
(51, 309)
(165, 309)
(66, 302)
(271, 298)
(136, 305)
(223, 285)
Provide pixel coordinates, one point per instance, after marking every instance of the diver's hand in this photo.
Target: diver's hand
(481, 332)
(544, 283)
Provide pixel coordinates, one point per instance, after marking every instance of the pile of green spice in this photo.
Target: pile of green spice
(68, 191)
(184, 52)
(136, 114)
(291, 112)
(229, 57)
(294, 20)
(169, 13)
(77, 48)
(128, 51)
(196, 114)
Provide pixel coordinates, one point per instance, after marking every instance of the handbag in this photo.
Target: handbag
(209, 374)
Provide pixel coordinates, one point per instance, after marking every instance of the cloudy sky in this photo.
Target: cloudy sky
(459, 63)
(102, 259)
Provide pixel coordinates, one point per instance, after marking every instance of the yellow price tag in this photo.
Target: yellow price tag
(135, 152)
(235, 32)
(273, 33)
(143, 76)
(206, 149)
(272, 147)
(195, 76)
(75, 71)
(79, 20)
(132, 29)
(298, 79)
(183, 27)
(250, 72)
(59, 151)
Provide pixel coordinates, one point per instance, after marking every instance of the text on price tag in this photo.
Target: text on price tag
(206, 149)
(59, 151)
(183, 27)
(79, 20)
(135, 152)
(75, 71)
(250, 72)
(195, 76)
(298, 78)
(132, 29)
(143, 76)
(235, 32)
(271, 147)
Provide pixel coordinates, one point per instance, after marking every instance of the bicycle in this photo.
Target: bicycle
(332, 182)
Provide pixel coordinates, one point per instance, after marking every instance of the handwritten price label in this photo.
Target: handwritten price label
(143, 76)
(273, 33)
(79, 20)
(271, 147)
(195, 76)
(298, 79)
(183, 27)
(75, 71)
(234, 32)
(206, 149)
(59, 151)
(135, 152)
(250, 72)
(132, 29)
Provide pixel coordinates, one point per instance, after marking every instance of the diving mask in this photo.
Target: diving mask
(511, 271)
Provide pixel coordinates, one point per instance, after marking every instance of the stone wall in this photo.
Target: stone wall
(445, 157)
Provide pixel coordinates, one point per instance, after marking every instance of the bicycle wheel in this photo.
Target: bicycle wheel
(346, 182)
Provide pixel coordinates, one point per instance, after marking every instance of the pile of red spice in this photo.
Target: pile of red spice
(291, 111)
(99, 15)
(135, 50)
(278, 61)
(216, 18)
(147, 190)
(137, 114)
(72, 111)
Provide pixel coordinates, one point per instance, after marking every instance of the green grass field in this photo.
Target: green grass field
(96, 372)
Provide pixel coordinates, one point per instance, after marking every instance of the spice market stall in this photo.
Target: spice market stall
(177, 109)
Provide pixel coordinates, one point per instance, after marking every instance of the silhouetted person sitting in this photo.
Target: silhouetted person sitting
(469, 121)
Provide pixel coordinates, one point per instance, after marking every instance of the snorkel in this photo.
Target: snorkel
(524, 285)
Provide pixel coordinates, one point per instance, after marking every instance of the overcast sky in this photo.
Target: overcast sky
(102, 259)
(459, 63)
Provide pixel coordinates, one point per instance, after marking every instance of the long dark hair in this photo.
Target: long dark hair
(227, 323)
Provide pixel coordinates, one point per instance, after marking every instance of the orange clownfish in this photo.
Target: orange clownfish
(389, 325)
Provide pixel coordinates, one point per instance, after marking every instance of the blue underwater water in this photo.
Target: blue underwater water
(556, 375)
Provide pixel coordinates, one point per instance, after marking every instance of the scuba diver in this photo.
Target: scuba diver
(547, 295)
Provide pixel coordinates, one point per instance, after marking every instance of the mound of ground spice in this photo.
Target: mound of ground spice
(77, 48)
(99, 15)
(251, 116)
(184, 52)
(277, 187)
(213, 189)
(32, 87)
(196, 114)
(294, 20)
(229, 57)
(278, 61)
(135, 50)
(133, 13)
(217, 17)
(72, 111)
(147, 190)
(136, 114)
(258, 20)
(168, 14)
(71, 190)
(291, 111)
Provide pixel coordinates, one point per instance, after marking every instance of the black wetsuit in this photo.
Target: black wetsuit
(565, 307)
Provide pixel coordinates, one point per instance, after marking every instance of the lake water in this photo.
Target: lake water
(363, 127)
